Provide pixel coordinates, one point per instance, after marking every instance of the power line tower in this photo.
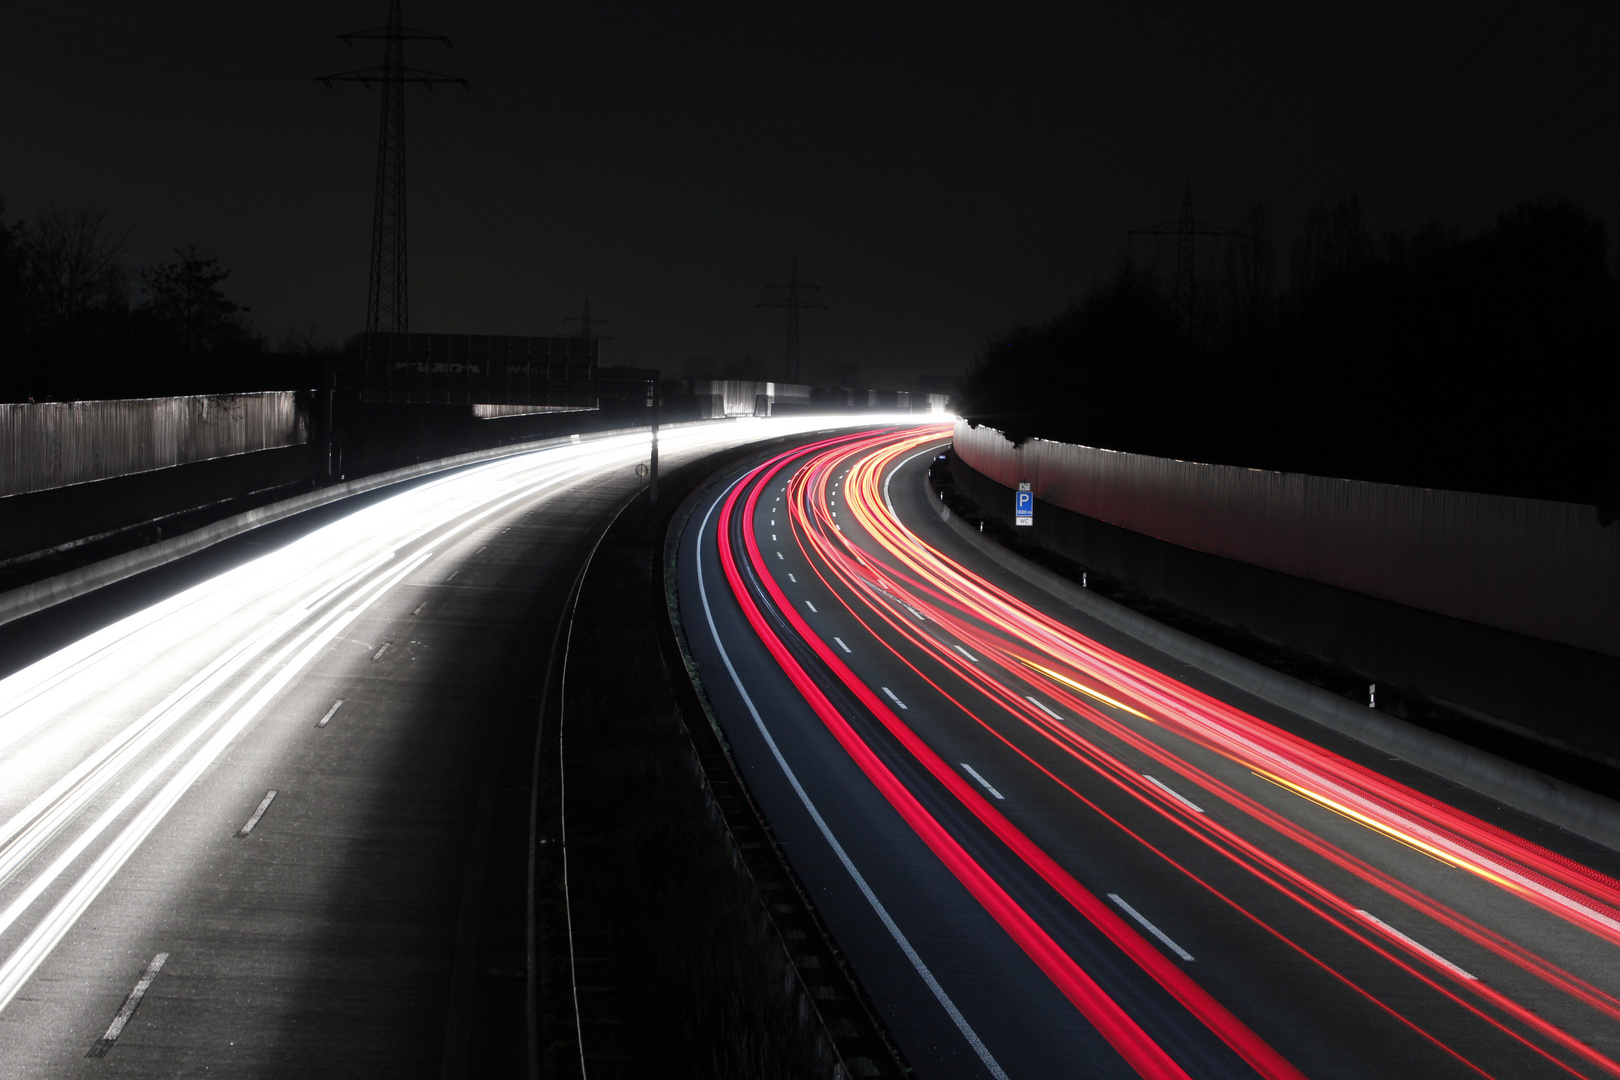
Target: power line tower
(1184, 288)
(586, 322)
(794, 305)
(388, 302)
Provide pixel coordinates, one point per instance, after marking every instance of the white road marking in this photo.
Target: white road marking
(882, 912)
(421, 607)
(1424, 949)
(1154, 930)
(385, 647)
(965, 653)
(452, 576)
(131, 1003)
(480, 551)
(303, 648)
(974, 773)
(269, 797)
(323, 721)
(811, 606)
(793, 579)
(778, 554)
(1173, 793)
(1041, 707)
(773, 536)
(892, 698)
(773, 521)
(841, 645)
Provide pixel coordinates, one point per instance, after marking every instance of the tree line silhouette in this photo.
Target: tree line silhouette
(77, 321)
(1480, 362)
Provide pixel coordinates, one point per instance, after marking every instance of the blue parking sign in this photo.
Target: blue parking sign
(1024, 506)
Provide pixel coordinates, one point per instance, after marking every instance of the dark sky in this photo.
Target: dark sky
(943, 170)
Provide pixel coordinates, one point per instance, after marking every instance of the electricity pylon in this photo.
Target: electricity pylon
(388, 302)
(1184, 288)
(586, 321)
(794, 305)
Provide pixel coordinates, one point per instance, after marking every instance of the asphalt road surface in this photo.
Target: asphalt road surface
(1050, 851)
(236, 824)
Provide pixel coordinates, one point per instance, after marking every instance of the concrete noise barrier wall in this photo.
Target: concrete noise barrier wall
(1545, 569)
(49, 445)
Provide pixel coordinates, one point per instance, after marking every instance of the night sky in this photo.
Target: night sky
(942, 170)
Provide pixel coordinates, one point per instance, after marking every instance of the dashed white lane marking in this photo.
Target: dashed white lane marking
(269, 797)
(773, 536)
(1424, 949)
(421, 607)
(900, 939)
(1041, 707)
(1173, 793)
(841, 645)
(480, 551)
(323, 721)
(1150, 928)
(811, 606)
(452, 576)
(892, 698)
(971, 771)
(965, 653)
(773, 521)
(793, 579)
(778, 554)
(131, 1003)
(385, 647)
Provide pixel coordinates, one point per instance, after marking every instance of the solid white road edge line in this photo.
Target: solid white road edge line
(882, 912)
(1150, 928)
(971, 771)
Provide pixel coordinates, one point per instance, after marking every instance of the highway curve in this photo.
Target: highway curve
(1047, 850)
(237, 823)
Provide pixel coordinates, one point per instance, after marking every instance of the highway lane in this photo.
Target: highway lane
(1100, 861)
(235, 825)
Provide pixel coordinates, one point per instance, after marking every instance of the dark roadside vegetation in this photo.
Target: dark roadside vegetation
(695, 950)
(1396, 701)
(77, 321)
(1480, 362)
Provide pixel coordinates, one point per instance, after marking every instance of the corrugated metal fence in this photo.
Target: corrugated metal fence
(54, 444)
(1546, 569)
(745, 397)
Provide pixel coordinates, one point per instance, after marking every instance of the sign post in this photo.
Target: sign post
(1024, 505)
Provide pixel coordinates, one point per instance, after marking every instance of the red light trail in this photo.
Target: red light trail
(966, 638)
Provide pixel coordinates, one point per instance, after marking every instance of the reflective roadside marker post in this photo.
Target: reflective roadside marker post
(1024, 505)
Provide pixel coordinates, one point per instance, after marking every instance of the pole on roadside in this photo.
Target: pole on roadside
(655, 399)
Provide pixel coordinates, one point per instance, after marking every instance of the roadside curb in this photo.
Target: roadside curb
(1574, 809)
